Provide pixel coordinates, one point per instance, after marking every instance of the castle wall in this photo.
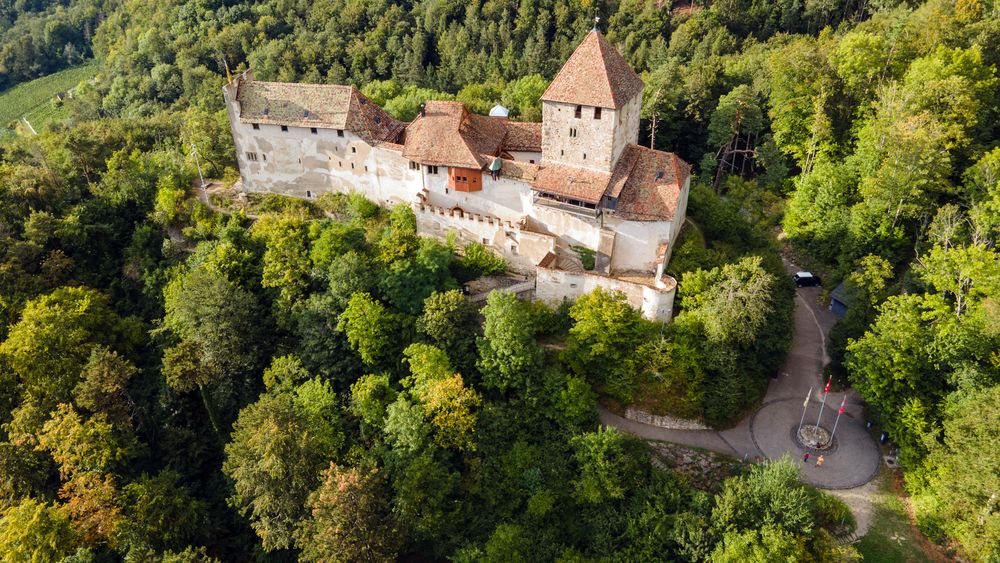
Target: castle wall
(305, 164)
(553, 286)
(507, 198)
(522, 249)
(575, 229)
(636, 243)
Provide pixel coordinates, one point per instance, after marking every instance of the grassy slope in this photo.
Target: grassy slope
(892, 538)
(36, 96)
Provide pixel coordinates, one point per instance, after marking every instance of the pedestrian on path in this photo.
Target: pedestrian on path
(805, 458)
(819, 461)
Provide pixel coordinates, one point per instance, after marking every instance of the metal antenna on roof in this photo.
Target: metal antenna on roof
(597, 20)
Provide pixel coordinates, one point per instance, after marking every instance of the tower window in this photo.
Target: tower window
(256, 125)
(572, 131)
(252, 156)
(579, 112)
(309, 193)
(562, 152)
(597, 113)
(265, 156)
(585, 156)
(284, 128)
(340, 132)
(354, 149)
(313, 131)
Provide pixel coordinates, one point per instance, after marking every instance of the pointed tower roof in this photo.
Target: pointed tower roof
(595, 75)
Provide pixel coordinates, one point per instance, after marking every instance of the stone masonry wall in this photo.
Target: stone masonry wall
(663, 421)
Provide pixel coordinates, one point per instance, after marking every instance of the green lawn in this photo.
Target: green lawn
(35, 98)
(891, 538)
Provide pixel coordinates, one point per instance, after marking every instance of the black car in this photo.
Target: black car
(806, 279)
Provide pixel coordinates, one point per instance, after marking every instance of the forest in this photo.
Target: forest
(308, 382)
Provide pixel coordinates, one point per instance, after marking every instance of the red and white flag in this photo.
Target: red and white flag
(827, 388)
(842, 403)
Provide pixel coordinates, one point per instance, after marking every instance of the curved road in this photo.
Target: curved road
(769, 432)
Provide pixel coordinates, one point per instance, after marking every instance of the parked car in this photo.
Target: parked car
(806, 279)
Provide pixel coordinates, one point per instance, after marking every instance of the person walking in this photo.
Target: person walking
(805, 458)
(819, 461)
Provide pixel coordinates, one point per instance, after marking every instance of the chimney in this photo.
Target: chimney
(423, 110)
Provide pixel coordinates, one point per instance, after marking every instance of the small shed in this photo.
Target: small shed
(839, 301)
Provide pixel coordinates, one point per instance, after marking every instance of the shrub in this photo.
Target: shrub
(478, 261)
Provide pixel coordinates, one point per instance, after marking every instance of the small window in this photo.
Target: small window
(532, 161)
(309, 193)
(597, 113)
(256, 126)
(284, 128)
(579, 112)
(313, 131)
(486, 241)
(572, 285)
(414, 165)
(354, 149)
(340, 132)
(366, 168)
(513, 249)
(264, 156)
(352, 166)
(432, 169)
(562, 152)
(585, 156)
(446, 190)
(252, 156)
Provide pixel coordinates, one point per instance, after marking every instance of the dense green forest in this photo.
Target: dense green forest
(181, 384)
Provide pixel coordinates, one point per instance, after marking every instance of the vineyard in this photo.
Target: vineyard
(34, 98)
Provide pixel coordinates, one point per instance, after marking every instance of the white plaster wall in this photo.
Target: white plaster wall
(637, 243)
(573, 228)
(595, 137)
(526, 156)
(681, 213)
(504, 198)
(554, 286)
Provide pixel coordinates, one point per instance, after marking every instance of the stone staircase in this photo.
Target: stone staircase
(602, 263)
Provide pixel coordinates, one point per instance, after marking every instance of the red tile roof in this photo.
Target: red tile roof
(647, 183)
(650, 189)
(449, 135)
(571, 182)
(595, 75)
(523, 136)
(325, 106)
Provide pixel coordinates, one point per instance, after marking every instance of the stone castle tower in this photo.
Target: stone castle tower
(590, 111)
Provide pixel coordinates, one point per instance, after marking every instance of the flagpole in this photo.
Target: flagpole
(826, 393)
(840, 412)
(805, 406)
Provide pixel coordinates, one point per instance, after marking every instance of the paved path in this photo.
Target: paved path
(769, 432)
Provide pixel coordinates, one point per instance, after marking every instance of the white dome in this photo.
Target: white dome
(499, 111)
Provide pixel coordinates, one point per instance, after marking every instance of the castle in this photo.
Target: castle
(533, 192)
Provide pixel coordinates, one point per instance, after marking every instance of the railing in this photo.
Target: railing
(567, 207)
